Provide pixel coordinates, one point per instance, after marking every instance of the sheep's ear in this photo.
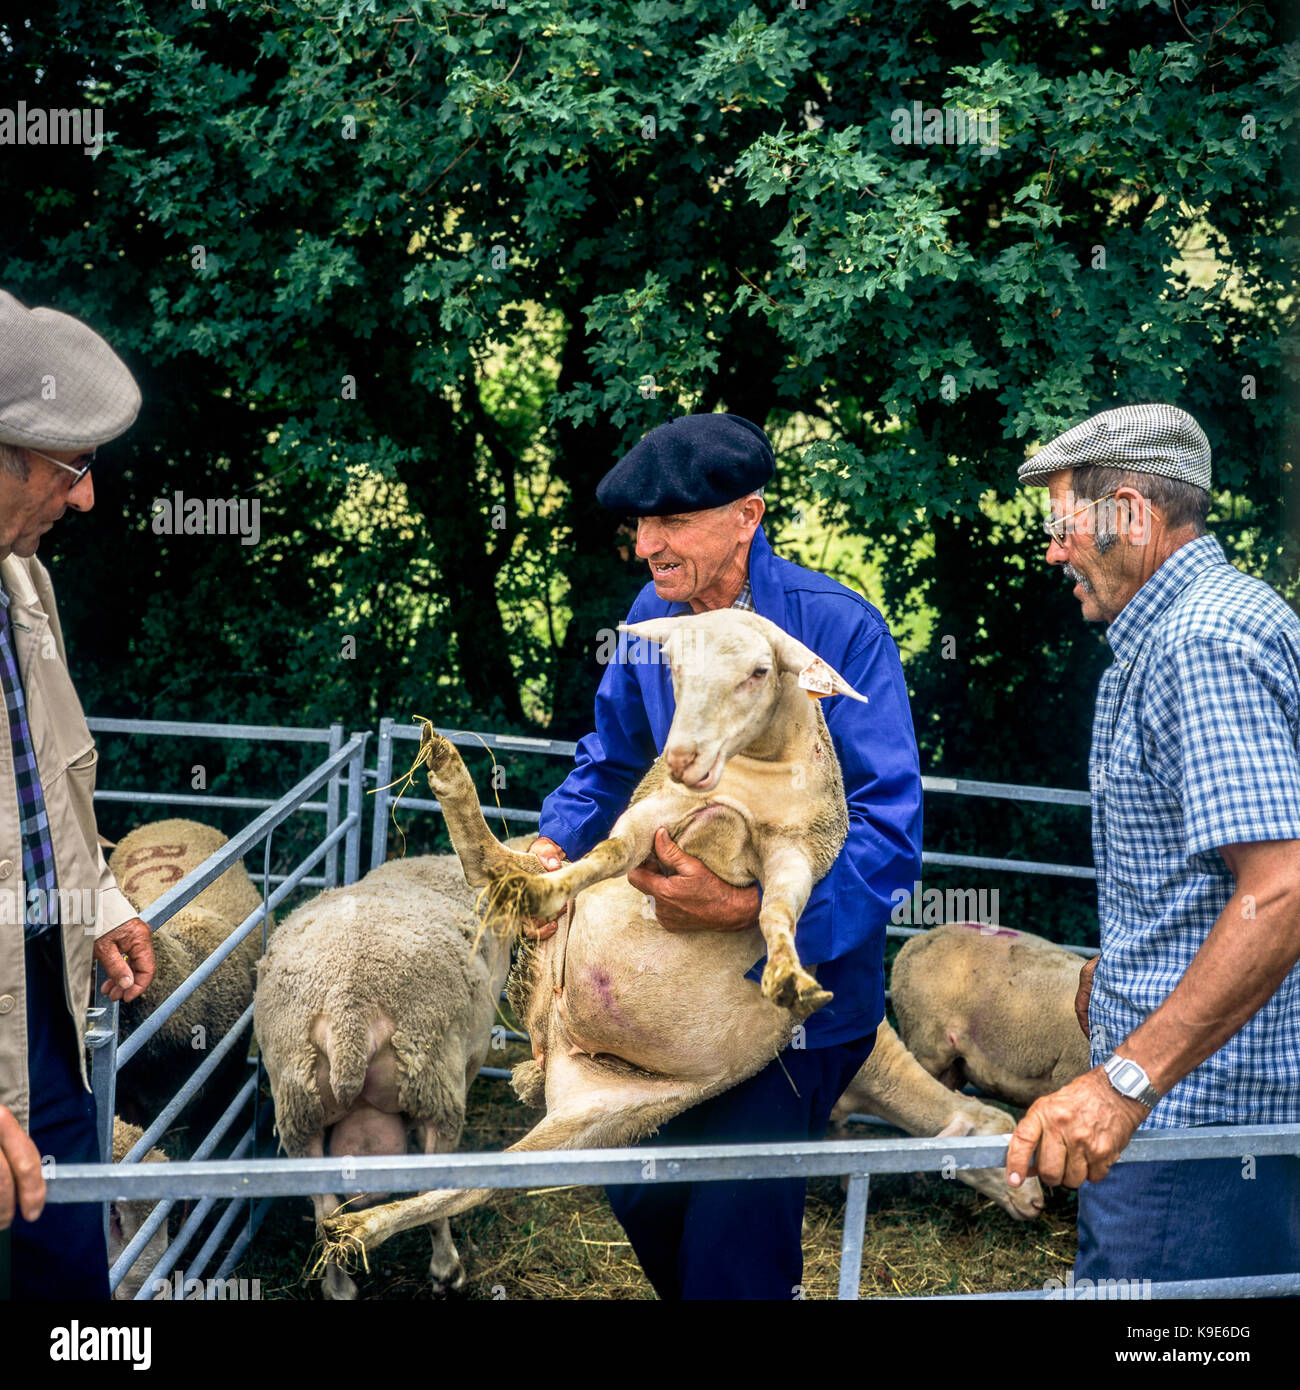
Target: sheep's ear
(815, 676)
(653, 629)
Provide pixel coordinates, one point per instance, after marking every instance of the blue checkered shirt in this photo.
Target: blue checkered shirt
(34, 825)
(1195, 745)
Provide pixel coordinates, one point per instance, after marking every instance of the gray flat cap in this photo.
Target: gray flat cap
(61, 385)
(1144, 438)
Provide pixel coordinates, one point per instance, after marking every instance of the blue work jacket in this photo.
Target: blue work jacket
(841, 935)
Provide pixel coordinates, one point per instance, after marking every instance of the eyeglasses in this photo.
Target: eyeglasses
(67, 467)
(1056, 526)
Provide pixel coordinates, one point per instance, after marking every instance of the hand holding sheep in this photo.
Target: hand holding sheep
(688, 895)
(1078, 1132)
(126, 953)
(550, 856)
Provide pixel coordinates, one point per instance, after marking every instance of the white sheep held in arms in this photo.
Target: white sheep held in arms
(630, 1024)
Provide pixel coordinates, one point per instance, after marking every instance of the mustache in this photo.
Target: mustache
(1075, 577)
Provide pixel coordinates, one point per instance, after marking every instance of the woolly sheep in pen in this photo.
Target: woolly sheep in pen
(893, 1085)
(146, 863)
(374, 1014)
(992, 1006)
(126, 1218)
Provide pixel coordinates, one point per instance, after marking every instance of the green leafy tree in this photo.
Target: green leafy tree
(414, 276)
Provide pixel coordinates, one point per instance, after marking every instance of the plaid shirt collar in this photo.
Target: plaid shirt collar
(745, 598)
(1129, 629)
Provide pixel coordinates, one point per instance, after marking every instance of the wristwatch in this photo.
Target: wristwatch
(1130, 1080)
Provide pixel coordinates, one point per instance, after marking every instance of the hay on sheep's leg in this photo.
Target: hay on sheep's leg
(354, 1233)
(338, 1286)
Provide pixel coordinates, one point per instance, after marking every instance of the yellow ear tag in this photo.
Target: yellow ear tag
(815, 678)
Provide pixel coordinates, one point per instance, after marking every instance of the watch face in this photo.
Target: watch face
(1127, 1076)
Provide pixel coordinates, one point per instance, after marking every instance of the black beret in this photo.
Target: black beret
(688, 465)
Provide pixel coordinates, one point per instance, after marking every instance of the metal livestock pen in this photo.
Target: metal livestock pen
(247, 1184)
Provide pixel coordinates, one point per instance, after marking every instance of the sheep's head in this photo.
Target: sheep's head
(728, 669)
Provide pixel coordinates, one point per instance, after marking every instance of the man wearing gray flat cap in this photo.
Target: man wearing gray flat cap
(1192, 1008)
(63, 393)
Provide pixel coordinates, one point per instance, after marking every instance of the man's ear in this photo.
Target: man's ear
(1137, 515)
(814, 674)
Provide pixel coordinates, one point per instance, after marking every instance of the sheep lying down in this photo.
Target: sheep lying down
(993, 1006)
(631, 1024)
(893, 1085)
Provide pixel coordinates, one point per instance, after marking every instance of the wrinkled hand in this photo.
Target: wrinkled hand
(1077, 1132)
(688, 895)
(20, 1173)
(550, 856)
(1084, 993)
(126, 954)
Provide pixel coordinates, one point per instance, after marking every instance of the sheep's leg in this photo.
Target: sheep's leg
(337, 1285)
(480, 853)
(629, 843)
(445, 1269)
(787, 880)
(594, 1107)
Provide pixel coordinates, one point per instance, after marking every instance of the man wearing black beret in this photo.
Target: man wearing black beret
(694, 486)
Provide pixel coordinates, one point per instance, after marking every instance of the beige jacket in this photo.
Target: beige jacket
(66, 758)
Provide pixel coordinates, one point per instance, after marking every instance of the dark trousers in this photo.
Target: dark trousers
(62, 1254)
(1212, 1218)
(739, 1239)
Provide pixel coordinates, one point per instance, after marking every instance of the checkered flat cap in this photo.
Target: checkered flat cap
(1144, 438)
(61, 385)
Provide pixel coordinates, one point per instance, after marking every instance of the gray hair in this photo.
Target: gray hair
(1181, 504)
(13, 459)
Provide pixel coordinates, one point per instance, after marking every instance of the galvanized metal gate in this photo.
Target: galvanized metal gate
(240, 1181)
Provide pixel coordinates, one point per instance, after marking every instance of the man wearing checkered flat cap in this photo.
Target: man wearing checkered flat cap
(1193, 1007)
(63, 393)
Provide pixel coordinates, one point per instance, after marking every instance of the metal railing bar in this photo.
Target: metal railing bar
(1006, 791)
(238, 845)
(188, 1091)
(182, 728)
(246, 803)
(241, 1243)
(159, 1214)
(316, 882)
(332, 800)
(514, 743)
(417, 803)
(1011, 866)
(703, 1163)
(233, 1211)
(855, 1227)
(192, 1223)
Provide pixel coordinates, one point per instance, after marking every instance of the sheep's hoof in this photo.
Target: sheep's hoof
(342, 1243)
(339, 1287)
(793, 988)
(436, 753)
(447, 1281)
